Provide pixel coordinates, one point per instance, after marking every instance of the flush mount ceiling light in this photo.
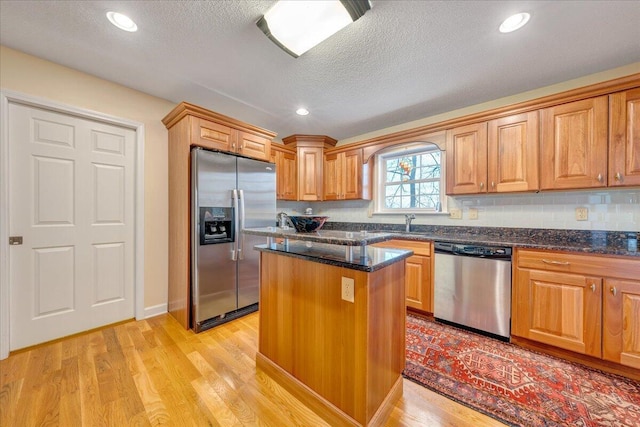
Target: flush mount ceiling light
(122, 21)
(297, 26)
(514, 22)
(302, 111)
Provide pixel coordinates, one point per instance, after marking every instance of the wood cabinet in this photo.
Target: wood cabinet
(189, 126)
(286, 172)
(624, 138)
(494, 157)
(345, 176)
(512, 153)
(418, 273)
(310, 161)
(466, 159)
(209, 134)
(587, 304)
(574, 145)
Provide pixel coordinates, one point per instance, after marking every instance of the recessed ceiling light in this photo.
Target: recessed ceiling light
(302, 111)
(514, 22)
(122, 21)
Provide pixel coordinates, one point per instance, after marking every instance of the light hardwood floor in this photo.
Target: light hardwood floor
(154, 372)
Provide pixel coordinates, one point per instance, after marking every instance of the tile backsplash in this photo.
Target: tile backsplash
(616, 210)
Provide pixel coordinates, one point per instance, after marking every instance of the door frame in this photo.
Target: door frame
(8, 96)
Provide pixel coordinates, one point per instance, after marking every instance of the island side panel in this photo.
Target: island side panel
(387, 332)
(348, 353)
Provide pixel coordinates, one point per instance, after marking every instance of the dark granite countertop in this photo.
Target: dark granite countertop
(334, 237)
(584, 241)
(345, 256)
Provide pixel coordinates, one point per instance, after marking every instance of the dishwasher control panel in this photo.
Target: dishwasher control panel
(473, 250)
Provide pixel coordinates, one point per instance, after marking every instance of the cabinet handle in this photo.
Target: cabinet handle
(613, 290)
(481, 185)
(618, 176)
(233, 145)
(599, 177)
(493, 184)
(593, 287)
(552, 262)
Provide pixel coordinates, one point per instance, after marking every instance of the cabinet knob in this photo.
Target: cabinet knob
(481, 185)
(613, 290)
(599, 177)
(618, 176)
(593, 287)
(493, 184)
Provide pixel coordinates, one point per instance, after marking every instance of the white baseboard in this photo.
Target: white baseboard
(155, 310)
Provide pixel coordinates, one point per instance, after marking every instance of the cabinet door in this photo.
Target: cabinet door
(574, 145)
(621, 332)
(352, 174)
(418, 282)
(288, 178)
(624, 138)
(332, 176)
(559, 309)
(513, 153)
(310, 161)
(212, 135)
(467, 159)
(254, 146)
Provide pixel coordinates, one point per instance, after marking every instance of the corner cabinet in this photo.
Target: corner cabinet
(345, 176)
(418, 273)
(286, 172)
(588, 304)
(624, 138)
(193, 126)
(574, 144)
(310, 161)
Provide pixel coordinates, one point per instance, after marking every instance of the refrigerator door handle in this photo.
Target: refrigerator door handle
(240, 233)
(235, 250)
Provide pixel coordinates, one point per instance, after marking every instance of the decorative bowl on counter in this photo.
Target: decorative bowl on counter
(307, 223)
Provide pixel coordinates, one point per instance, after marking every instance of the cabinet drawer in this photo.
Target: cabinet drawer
(624, 268)
(418, 248)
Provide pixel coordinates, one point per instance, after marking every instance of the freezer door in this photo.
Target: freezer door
(257, 192)
(213, 269)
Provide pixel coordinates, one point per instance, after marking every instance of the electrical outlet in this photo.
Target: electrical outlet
(582, 214)
(473, 213)
(455, 213)
(348, 291)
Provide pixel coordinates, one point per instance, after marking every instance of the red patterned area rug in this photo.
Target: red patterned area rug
(514, 385)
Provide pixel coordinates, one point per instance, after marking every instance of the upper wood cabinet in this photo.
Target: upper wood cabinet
(624, 138)
(574, 145)
(190, 125)
(310, 159)
(466, 159)
(286, 172)
(513, 153)
(345, 177)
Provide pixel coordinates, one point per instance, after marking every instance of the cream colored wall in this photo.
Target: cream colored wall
(34, 76)
(521, 97)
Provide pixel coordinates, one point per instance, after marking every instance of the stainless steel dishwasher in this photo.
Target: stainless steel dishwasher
(472, 287)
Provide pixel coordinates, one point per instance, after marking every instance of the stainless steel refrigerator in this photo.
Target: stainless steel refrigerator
(229, 193)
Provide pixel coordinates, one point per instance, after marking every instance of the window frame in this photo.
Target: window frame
(380, 178)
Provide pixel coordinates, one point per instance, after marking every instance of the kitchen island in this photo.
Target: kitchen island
(332, 323)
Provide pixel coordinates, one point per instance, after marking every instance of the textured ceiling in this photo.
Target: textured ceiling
(402, 61)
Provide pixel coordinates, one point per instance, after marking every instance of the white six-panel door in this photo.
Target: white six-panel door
(71, 198)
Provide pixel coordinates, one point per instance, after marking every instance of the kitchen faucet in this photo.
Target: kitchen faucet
(407, 220)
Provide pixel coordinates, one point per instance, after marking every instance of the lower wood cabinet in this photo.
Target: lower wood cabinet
(418, 273)
(587, 304)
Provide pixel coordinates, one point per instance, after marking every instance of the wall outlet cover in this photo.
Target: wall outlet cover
(582, 214)
(348, 289)
(455, 213)
(473, 213)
